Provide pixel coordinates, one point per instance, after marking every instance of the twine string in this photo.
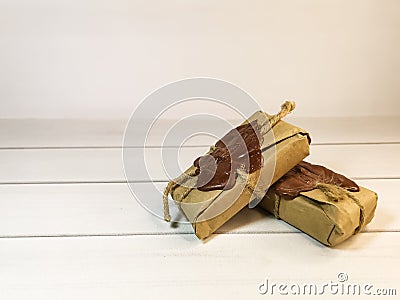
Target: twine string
(334, 193)
(286, 108)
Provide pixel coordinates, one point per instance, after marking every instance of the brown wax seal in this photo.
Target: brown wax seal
(305, 177)
(240, 148)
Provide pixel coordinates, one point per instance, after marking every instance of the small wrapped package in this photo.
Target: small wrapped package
(327, 206)
(240, 174)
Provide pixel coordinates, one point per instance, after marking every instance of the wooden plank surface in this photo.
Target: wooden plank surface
(110, 209)
(70, 228)
(105, 165)
(28, 133)
(109, 133)
(181, 267)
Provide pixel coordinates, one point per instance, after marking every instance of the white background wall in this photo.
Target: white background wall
(83, 58)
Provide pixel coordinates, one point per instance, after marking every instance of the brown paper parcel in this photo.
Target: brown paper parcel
(214, 208)
(328, 221)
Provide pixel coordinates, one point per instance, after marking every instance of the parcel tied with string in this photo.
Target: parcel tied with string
(208, 204)
(327, 206)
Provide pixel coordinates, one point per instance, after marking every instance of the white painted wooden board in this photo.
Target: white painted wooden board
(110, 209)
(181, 267)
(61, 238)
(105, 165)
(28, 133)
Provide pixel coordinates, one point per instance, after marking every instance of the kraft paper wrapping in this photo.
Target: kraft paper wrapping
(289, 146)
(328, 221)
